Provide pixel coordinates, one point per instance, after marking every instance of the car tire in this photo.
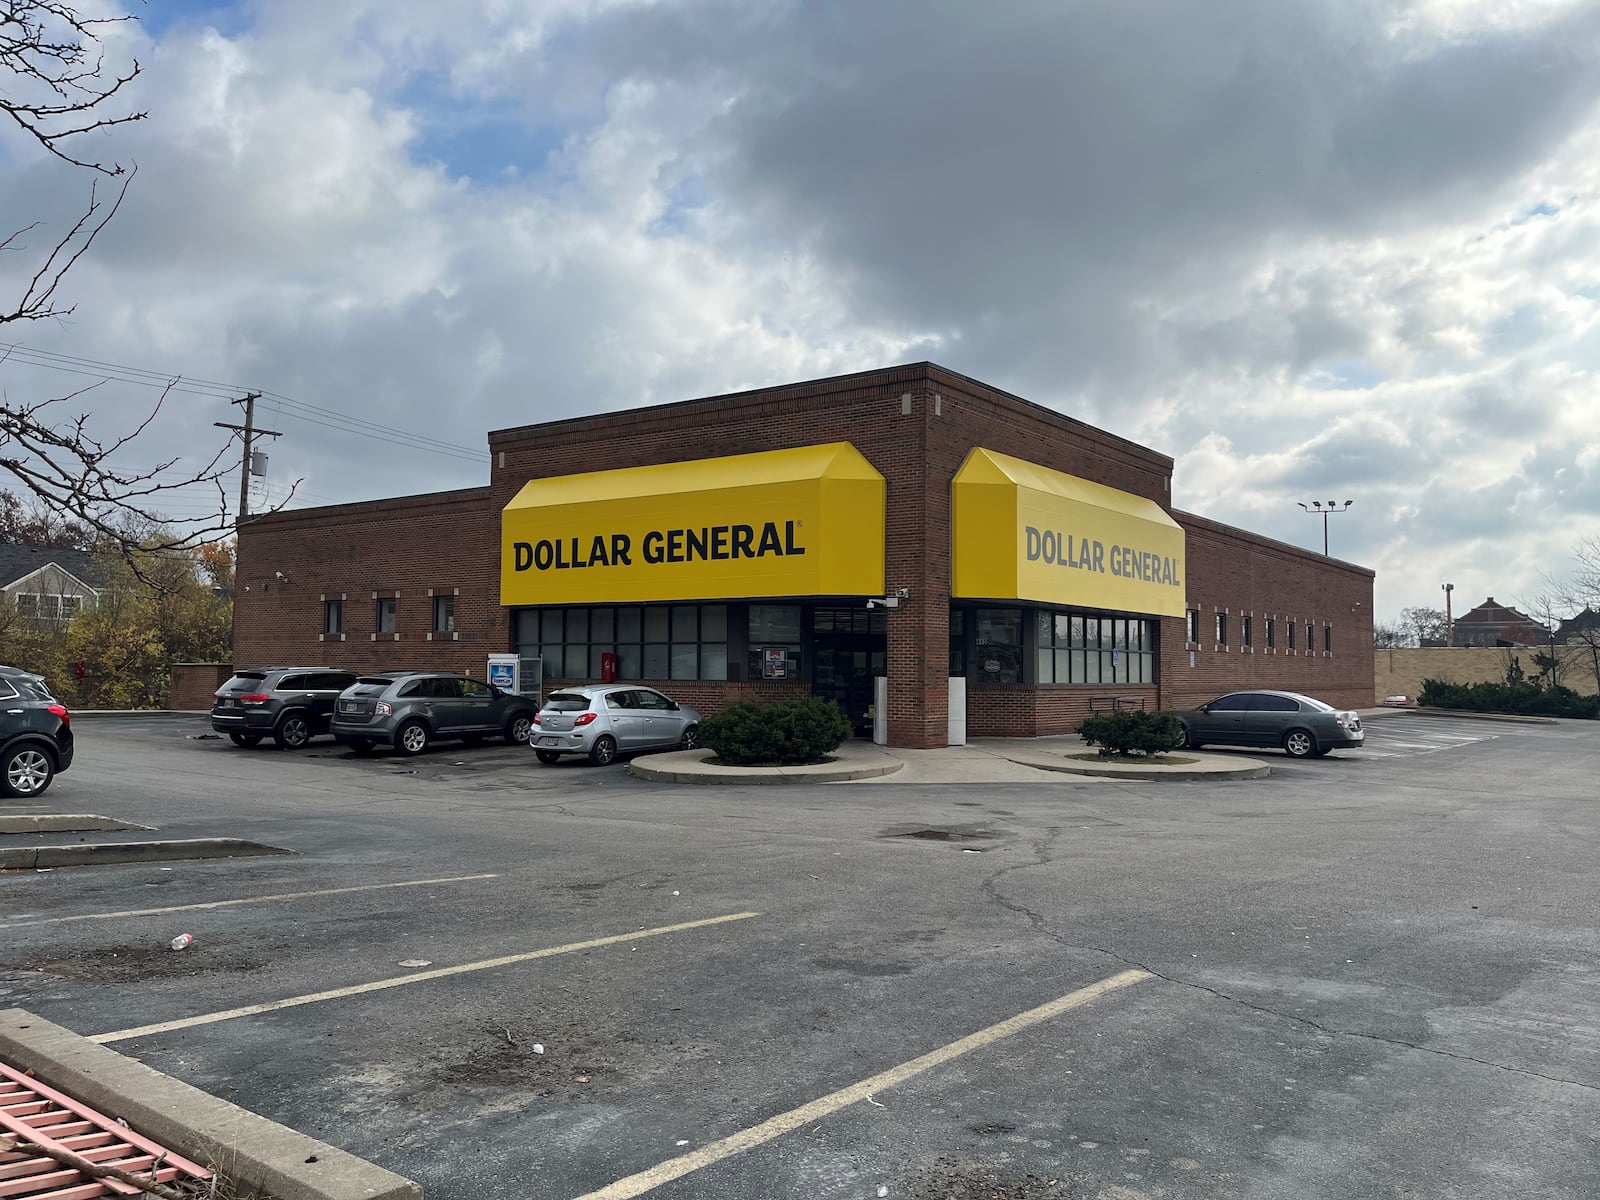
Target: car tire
(1299, 743)
(548, 757)
(519, 728)
(293, 732)
(604, 751)
(26, 770)
(412, 738)
(690, 739)
(1188, 742)
(244, 739)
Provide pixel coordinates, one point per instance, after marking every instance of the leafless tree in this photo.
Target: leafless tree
(1576, 594)
(56, 87)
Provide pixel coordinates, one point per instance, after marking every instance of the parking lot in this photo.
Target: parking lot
(1371, 975)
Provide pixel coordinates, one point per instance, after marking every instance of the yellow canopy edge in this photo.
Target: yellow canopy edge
(1022, 531)
(802, 522)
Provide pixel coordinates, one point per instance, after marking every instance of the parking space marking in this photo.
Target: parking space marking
(172, 908)
(776, 1127)
(378, 985)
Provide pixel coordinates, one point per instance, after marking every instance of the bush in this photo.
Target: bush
(779, 734)
(1523, 699)
(1132, 732)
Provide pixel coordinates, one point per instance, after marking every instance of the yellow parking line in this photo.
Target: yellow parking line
(152, 912)
(250, 1010)
(775, 1127)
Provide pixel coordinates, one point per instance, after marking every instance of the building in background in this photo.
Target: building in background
(47, 585)
(909, 524)
(1496, 624)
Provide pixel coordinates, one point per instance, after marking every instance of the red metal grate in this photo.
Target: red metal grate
(32, 1112)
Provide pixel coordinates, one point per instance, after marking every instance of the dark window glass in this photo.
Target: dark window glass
(1194, 625)
(1244, 631)
(1274, 704)
(602, 624)
(333, 616)
(387, 606)
(1237, 702)
(999, 645)
(1327, 637)
(1272, 630)
(1289, 628)
(444, 614)
(1222, 629)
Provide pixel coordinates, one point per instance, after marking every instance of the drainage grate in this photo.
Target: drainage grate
(31, 1112)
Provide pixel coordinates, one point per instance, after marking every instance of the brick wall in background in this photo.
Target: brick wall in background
(192, 685)
(1401, 672)
(444, 541)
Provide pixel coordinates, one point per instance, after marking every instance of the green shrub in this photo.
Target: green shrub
(1132, 732)
(786, 732)
(1523, 699)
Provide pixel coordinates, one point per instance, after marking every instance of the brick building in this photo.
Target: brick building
(726, 548)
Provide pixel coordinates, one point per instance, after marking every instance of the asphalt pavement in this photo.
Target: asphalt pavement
(1369, 975)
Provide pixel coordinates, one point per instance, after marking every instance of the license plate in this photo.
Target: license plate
(549, 741)
(347, 706)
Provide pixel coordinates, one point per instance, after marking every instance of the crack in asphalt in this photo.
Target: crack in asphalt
(1040, 848)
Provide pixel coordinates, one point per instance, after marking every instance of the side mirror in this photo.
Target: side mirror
(674, 704)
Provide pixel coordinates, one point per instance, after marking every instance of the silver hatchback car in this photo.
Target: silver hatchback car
(605, 720)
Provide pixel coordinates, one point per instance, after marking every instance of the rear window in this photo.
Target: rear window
(373, 681)
(1315, 705)
(567, 702)
(244, 681)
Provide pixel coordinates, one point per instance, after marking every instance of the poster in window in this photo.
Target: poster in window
(775, 663)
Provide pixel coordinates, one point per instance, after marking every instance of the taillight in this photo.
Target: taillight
(537, 719)
(382, 708)
(584, 720)
(256, 697)
(66, 717)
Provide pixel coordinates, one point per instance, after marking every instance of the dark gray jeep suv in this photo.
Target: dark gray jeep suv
(411, 709)
(291, 705)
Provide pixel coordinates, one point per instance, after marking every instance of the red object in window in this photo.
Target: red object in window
(256, 697)
(60, 711)
(584, 720)
(608, 668)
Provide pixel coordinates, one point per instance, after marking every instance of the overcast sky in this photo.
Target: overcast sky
(1331, 249)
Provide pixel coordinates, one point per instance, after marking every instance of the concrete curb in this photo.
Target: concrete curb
(690, 766)
(63, 823)
(1255, 770)
(91, 854)
(1464, 714)
(255, 1154)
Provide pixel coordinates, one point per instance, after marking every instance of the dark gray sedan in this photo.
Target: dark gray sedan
(1302, 726)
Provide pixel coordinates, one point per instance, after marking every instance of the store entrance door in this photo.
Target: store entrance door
(850, 648)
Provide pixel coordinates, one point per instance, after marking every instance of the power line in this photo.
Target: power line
(356, 426)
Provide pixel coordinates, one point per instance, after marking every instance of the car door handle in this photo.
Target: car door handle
(13, 712)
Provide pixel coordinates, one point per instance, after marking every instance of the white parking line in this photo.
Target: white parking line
(378, 985)
(172, 908)
(775, 1127)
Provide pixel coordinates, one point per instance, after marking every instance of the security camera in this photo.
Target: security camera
(282, 578)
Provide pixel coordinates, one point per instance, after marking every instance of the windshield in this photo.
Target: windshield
(567, 702)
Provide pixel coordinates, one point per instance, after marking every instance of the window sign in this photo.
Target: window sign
(775, 663)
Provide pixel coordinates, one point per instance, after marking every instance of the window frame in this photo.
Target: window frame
(333, 616)
(389, 605)
(445, 606)
(1245, 631)
(1222, 628)
(1192, 626)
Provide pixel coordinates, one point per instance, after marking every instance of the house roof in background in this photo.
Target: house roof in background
(17, 562)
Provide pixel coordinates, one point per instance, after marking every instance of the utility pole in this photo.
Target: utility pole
(250, 432)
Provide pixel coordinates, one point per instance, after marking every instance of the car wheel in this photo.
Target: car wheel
(519, 728)
(547, 757)
(411, 738)
(26, 771)
(691, 738)
(604, 750)
(245, 739)
(293, 732)
(1188, 742)
(1298, 743)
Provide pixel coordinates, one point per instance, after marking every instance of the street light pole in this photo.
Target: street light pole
(1449, 621)
(1316, 507)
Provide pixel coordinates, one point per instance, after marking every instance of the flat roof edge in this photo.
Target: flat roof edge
(1183, 517)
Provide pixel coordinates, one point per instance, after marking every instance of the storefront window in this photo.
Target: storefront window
(774, 641)
(1094, 649)
(998, 645)
(651, 642)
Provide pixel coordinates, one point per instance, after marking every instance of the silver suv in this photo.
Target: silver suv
(410, 710)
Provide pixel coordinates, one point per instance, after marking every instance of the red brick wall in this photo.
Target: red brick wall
(192, 685)
(443, 541)
(998, 711)
(452, 540)
(1244, 573)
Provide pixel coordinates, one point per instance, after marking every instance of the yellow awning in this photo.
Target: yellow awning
(1026, 532)
(802, 522)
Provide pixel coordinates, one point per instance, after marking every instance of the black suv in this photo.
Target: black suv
(35, 734)
(289, 704)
